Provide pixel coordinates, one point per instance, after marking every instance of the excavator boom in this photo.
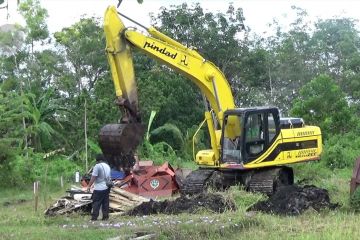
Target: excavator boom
(209, 79)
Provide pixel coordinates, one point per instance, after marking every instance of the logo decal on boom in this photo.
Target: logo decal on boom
(160, 50)
(184, 61)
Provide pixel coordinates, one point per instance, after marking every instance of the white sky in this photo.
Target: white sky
(258, 13)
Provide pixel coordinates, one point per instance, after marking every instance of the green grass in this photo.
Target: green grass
(19, 220)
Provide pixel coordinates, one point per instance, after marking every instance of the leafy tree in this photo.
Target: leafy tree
(335, 43)
(335, 46)
(321, 102)
(35, 18)
(286, 61)
(11, 135)
(213, 35)
(43, 116)
(216, 38)
(82, 44)
(85, 79)
(173, 97)
(11, 115)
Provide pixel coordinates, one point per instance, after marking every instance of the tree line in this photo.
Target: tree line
(54, 86)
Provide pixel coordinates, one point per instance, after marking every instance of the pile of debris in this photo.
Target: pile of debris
(80, 200)
(206, 201)
(147, 181)
(294, 200)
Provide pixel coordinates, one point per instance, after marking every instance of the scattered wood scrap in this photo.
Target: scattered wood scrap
(80, 200)
(122, 201)
(68, 205)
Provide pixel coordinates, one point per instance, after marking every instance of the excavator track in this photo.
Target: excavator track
(196, 181)
(265, 181)
(269, 180)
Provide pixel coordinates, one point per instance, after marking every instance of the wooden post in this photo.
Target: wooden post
(77, 176)
(36, 194)
(61, 182)
(86, 139)
(45, 188)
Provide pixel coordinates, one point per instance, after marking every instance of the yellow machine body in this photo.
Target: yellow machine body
(289, 146)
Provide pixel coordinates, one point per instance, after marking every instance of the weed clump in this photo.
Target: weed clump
(355, 200)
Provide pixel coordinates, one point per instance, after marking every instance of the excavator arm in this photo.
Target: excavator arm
(188, 62)
(121, 66)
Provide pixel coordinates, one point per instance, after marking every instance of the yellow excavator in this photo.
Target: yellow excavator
(251, 146)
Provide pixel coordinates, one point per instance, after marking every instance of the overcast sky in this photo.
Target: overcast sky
(258, 13)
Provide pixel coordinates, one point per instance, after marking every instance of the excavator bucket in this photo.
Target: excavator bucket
(120, 139)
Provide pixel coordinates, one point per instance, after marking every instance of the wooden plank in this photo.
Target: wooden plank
(118, 196)
(116, 206)
(124, 193)
(129, 195)
(122, 202)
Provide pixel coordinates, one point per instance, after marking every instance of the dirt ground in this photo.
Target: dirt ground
(294, 200)
(213, 202)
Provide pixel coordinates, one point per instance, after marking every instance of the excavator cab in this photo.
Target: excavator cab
(259, 127)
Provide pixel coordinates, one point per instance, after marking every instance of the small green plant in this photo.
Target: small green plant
(243, 199)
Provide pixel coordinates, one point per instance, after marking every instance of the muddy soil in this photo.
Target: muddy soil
(213, 202)
(294, 200)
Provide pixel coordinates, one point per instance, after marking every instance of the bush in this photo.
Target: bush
(355, 200)
(158, 153)
(170, 134)
(323, 103)
(311, 172)
(168, 144)
(201, 141)
(7, 157)
(24, 170)
(340, 151)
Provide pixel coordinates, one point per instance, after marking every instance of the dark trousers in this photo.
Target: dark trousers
(100, 198)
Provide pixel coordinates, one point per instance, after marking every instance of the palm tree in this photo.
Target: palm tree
(44, 117)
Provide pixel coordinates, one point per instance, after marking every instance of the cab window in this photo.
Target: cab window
(255, 135)
(272, 127)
